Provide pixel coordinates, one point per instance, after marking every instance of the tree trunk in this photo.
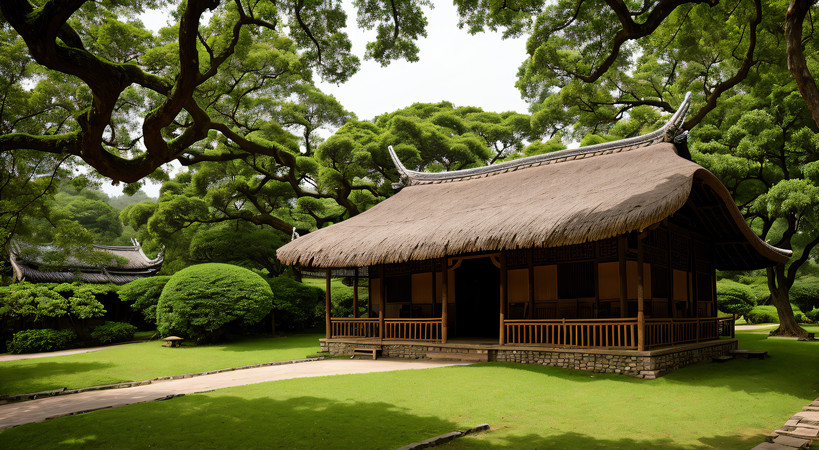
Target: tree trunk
(797, 64)
(779, 287)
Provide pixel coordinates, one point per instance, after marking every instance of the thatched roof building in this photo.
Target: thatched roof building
(551, 200)
(588, 258)
(29, 264)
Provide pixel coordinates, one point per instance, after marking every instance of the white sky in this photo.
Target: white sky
(455, 66)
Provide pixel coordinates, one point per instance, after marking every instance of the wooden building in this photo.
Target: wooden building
(127, 263)
(607, 251)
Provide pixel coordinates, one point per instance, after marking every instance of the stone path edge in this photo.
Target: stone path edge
(14, 398)
(444, 438)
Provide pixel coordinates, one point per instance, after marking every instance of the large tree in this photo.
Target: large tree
(592, 63)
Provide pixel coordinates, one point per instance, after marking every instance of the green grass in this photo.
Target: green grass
(145, 360)
(730, 405)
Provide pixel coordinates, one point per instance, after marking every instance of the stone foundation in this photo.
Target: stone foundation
(646, 364)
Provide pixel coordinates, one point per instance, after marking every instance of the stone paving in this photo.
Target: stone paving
(800, 431)
(14, 414)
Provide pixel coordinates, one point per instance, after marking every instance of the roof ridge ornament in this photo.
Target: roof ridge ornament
(667, 133)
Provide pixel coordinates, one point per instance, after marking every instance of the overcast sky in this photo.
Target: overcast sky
(455, 66)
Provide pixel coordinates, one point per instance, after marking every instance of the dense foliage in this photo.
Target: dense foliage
(143, 294)
(734, 298)
(207, 301)
(296, 306)
(40, 340)
(111, 332)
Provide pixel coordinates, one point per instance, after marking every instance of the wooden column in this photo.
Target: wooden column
(670, 275)
(382, 304)
(327, 305)
(641, 320)
(355, 293)
(503, 295)
(596, 280)
(621, 255)
(531, 261)
(434, 288)
(444, 298)
(369, 292)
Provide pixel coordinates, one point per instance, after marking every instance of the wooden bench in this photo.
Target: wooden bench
(745, 353)
(366, 352)
(721, 359)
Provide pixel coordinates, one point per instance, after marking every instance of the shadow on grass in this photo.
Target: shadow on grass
(579, 440)
(790, 369)
(30, 375)
(291, 341)
(216, 421)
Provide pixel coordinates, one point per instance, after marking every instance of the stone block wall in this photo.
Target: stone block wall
(647, 364)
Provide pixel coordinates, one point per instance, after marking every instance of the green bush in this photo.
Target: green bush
(763, 314)
(296, 306)
(111, 332)
(206, 301)
(144, 293)
(41, 340)
(734, 298)
(805, 293)
(813, 315)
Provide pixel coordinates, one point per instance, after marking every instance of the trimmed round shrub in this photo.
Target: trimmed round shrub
(734, 298)
(813, 315)
(111, 332)
(144, 292)
(763, 314)
(205, 302)
(40, 340)
(805, 293)
(297, 306)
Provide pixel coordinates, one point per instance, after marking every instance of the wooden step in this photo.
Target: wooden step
(458, 356)
(745, 353)
(374, 352)
(722, 359)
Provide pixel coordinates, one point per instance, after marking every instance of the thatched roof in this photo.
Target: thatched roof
(552, 200)
(30, 266)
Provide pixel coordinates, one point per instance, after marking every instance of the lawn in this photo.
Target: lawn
(146, 360)
(730, 405)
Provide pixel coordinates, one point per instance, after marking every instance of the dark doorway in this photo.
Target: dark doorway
(477, 298)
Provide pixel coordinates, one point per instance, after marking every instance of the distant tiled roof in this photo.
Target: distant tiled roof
(29, 268)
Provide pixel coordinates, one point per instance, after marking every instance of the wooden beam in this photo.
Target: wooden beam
(621, 257)
(355, 293)
(327, 305)
(641, 320)
(531, 263)
(434, 288)
(596, 276)
(369, 292)
(444, 298)
(503, 295)
(670, 275)
(382, 304)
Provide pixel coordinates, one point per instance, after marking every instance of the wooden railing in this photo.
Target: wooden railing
(404, 329)
(611, 333)
(413, 329)
(615, 333)
(660, 332)
(359, 328)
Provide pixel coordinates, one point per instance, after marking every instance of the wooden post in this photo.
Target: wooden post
(327, 305)
(641, 320)
(434, 288)
(369, 292)
(672, 306)
(531, 258)
(355, 294)
(503, 290)
(444, 298)
(621, 255)
(382, 304)
(596, 276)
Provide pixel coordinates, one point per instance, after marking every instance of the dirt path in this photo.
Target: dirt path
(10, 357)
(14, 414)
